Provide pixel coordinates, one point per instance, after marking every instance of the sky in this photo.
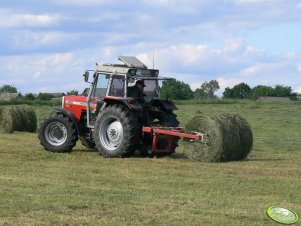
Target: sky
(45, 46)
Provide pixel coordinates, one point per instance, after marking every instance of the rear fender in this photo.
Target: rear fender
(164, 105)
(128, 103)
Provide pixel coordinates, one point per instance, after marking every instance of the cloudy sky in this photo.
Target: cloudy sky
(45, 46)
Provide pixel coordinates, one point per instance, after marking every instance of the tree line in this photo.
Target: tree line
(30, 96)
(179, 90)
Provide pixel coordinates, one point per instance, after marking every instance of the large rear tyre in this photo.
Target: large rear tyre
(57, 133)
(116, 132)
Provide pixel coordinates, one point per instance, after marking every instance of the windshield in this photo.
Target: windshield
(101, 86)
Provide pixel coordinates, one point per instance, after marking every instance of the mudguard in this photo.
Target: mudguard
(164, 104)
(129, 103)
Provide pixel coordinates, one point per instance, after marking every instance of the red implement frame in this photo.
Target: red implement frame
(168, 133)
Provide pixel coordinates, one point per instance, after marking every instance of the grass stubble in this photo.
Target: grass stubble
(81, 187)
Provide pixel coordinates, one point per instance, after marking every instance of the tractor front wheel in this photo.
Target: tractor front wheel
(57, 133)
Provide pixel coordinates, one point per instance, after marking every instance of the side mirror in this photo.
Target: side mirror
(86, 76)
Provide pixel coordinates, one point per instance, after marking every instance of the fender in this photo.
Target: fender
(78, 126)
(130, 103)
(164, 104)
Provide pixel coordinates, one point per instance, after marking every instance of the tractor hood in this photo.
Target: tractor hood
(76, 104)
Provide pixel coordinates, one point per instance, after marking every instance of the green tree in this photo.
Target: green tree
(228, 93)
(29, 96)
(294, 96)
(207, 90)
(44, 96)
(173, 89)
(262, 91)
(72, 92)
(239, 91)
(282, 91)
(8, 89)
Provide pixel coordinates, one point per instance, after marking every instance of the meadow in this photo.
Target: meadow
(83, 188)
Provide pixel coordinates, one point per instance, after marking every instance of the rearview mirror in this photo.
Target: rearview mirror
(86, 76)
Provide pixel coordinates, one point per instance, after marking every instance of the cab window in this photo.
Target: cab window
(117, 86)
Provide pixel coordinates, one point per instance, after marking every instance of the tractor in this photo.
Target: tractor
(122, 112)
(107, 117)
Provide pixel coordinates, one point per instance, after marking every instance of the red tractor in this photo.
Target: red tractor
(112, 118)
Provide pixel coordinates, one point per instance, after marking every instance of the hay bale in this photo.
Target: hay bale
(210, 152)
(17, 118)
(245, 135)
(7, 120)
(229, 138)
(29, 119)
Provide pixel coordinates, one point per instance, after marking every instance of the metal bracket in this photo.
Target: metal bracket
(202, 135)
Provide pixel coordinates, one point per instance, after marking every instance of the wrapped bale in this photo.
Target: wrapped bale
(229, 138)
(17, 118)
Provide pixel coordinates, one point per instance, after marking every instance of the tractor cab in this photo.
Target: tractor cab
(116, 79)
(112, 84)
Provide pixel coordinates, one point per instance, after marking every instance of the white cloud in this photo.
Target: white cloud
(250, 1)
(194, 41)
(10, 19)
(178, 6)
(228, 82)
(234, 45)
(85, 3)
(299, 68)
(29, 73)
(33, 40)
(290, 55)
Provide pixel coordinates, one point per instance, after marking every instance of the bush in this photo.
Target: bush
(45, 96)
(29, 96)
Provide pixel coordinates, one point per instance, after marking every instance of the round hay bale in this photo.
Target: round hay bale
(17, 118)
(7, 120)
(245, 136)
(211, 151)
(29, 119)
(229, 138)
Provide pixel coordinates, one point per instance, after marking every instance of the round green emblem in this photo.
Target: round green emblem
(282, 215)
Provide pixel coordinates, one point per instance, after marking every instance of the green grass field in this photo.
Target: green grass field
(83, 188)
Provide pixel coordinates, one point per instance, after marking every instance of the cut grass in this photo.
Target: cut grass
(43, 188)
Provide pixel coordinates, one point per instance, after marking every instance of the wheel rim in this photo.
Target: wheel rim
(56, 133)
(111, 133)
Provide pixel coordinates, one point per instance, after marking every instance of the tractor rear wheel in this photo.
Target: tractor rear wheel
(116, 132)
(57, 133)
(169, 119)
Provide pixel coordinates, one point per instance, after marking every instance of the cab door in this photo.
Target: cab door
(98, 93)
